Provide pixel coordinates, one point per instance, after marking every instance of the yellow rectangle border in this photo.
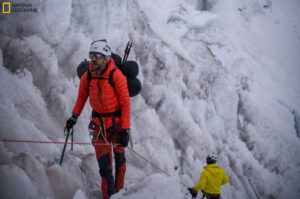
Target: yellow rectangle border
(3, 4)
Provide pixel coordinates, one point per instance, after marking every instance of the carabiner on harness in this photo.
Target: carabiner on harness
(101, 131)
(91, 128)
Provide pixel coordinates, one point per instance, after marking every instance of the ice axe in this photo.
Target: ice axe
(66, 142)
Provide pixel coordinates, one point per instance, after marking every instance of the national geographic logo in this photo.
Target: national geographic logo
(5, 7)
(10, 7)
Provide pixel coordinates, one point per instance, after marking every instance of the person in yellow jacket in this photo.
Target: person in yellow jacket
(211, 179)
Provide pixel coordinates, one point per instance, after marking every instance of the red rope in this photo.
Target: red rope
(148, 161)
(83, 143)
(48, 142)
(153, 164)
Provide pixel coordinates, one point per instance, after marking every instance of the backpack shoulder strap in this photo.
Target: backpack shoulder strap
(89, 77)
(111, 79)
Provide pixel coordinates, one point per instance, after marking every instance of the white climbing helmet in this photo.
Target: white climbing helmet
(211, 158)
(101, 46)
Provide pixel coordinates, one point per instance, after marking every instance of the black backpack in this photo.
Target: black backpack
(129, 68)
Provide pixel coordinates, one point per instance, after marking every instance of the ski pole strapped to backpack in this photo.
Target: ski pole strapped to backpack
(130, 69)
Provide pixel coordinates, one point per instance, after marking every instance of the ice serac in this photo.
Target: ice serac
(218, 76)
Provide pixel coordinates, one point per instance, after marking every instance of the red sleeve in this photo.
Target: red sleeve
(124, 100)
(83, 94)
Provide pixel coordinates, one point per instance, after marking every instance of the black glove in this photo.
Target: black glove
(124, 137)
(71, 121)
(193, 192)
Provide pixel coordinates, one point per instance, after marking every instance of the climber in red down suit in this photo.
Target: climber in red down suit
(110, 116)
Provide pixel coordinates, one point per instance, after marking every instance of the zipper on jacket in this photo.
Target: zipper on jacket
(99, 90)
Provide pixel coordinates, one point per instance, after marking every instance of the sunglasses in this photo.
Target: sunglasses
(97, 55)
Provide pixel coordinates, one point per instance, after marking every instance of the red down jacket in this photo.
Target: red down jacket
(109, 99)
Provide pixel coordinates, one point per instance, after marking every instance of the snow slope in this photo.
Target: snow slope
(224, 80)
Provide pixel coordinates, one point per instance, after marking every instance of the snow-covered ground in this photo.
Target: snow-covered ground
(219, 77)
